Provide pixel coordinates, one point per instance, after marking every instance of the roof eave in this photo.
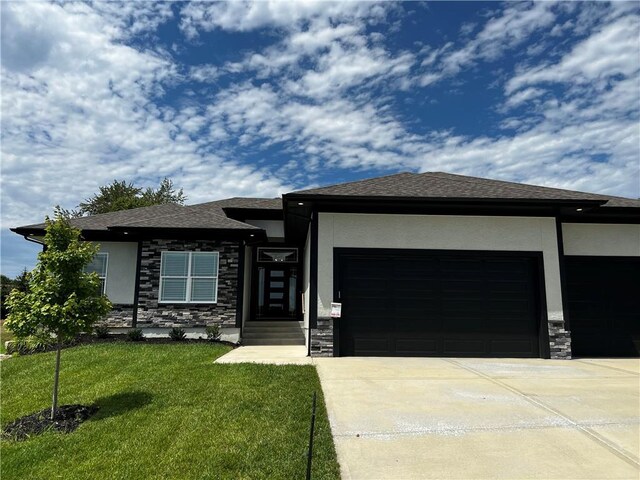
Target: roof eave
(291, 197)
(180, 233)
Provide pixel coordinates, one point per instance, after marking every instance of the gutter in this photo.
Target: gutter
(29, 239)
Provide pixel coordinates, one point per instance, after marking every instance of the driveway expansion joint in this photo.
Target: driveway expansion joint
(630, 372)
(623, 454)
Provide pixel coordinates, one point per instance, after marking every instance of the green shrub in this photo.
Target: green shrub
(177, 334)
(101, 331)
(40, 342)
(135, 335)
(213, 333)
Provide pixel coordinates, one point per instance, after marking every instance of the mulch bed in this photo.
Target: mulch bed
(67, 419)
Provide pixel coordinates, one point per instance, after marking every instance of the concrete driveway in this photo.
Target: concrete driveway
(405, 418)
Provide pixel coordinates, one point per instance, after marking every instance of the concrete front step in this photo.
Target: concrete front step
(272, 341)
(272, 329)
(297, 335)
(272, 333)
(272, 323)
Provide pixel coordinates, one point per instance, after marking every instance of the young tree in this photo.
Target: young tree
(62, 299)
(120, 195)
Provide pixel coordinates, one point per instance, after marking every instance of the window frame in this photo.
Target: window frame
(189, 278)
(106, 271)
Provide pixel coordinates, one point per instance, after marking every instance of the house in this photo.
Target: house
(422, 264)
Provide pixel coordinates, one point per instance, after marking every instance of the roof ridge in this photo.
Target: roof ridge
(521, 187)
(355, 181)
(213, 202)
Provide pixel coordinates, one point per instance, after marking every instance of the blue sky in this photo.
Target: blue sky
(261, 98)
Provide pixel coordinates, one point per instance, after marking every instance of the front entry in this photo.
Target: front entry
(276, 285)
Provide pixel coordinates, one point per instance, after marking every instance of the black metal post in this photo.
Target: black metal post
(313, 424)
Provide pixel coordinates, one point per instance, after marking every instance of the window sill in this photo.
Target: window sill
(186, 303)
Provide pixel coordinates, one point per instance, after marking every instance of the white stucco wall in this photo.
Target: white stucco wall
(121, 270)
(601, 239)
(274, 228)
(438, 233)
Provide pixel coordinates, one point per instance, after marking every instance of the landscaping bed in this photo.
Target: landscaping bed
(165, 411)
(66, 420)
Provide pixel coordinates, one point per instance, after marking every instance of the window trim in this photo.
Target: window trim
(189, 279)
(106, 271)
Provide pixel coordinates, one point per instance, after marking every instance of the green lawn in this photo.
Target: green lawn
(166, 411)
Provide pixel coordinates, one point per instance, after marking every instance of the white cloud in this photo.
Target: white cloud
(614, 50)
(523, 97)
(80, 111)
(246, 15)
(511, 27)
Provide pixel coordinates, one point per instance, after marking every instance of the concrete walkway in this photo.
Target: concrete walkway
(273, 354)
(422, 418)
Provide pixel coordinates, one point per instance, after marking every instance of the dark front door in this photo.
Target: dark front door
(425, 303)
(604, 306)
(277, 292)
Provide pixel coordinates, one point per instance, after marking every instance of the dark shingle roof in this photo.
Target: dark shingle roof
(239, 203)
(104, 220)
(208, 215)
(189, 219)
(438, 185)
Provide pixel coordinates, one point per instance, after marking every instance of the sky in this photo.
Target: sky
(262, 98)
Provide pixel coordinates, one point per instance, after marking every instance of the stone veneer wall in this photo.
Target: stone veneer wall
(153, 314)
(322, 338)
(559, 340)
(121, 316)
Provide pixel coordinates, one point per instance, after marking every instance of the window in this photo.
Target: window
(99, 265)
(189, 277)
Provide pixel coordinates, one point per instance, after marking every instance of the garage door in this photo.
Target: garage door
(426, 303)
(604, 306)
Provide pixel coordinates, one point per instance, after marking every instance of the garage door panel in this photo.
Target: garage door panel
(417, 316)
(412, 346)
(456, 304)
(513, 347)
(604, 305)
(371, 346)
(464, 347)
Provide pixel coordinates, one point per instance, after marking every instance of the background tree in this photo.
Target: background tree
(62, 300)
(120, 195)
(6, 285)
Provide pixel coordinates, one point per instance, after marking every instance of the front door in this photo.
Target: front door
(277, 290)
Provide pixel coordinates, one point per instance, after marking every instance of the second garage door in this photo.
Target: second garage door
(604, 306)
(426, 303)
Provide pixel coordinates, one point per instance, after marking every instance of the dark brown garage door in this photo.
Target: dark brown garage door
(604, 306)
(426, 303)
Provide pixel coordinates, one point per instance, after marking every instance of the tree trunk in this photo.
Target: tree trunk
(54, 407)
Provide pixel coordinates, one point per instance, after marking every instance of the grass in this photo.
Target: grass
(166, 411)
